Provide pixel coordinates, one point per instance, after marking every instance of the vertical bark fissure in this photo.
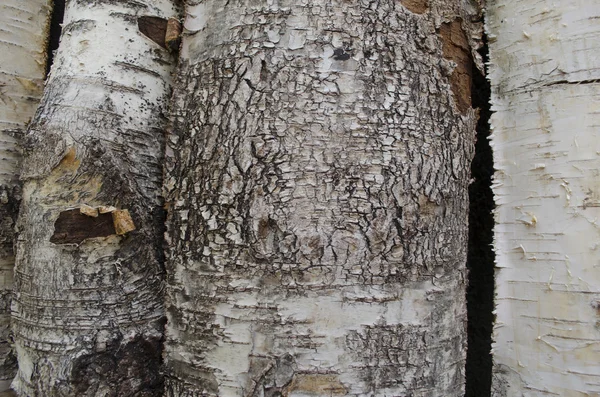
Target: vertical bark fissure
(58, 13)
(88, 313)
(317, 175)
(480, 257)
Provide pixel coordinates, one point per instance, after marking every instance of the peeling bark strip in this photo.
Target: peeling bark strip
(317, 176)
(88, 317)
(545, 73)
(24, 28)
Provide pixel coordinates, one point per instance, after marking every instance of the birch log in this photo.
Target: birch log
(24, 26)
(317, 177)
(545, 73)
(88, 311)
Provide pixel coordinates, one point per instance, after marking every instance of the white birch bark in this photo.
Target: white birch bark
(545, 73)
(88, 311)
(24, 26)
(317, 177)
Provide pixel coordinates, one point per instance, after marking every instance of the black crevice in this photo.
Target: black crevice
(58, 13)
(480, 258)
(576, 82)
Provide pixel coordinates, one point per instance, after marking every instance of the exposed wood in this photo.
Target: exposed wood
(72, 227)
(456, 48)
(154, 28)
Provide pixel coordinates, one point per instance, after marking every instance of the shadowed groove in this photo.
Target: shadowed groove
(58, 13)
(480, 258)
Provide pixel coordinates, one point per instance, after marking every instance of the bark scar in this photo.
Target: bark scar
(76, 225)
(164, 32)
(415, 6)
(456, 48)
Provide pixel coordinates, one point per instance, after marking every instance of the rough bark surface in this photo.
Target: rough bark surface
(88, 310)
(317, 174)
(545, 74)
(23, 36)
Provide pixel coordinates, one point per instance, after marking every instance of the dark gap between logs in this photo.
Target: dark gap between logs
(58, 13)
(480, 258)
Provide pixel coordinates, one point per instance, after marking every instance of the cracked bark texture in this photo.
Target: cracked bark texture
(87, 313)
(545, 79)
(316, 175)
(24, 26)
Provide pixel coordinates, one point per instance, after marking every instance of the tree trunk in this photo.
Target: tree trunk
(544, 73)
(24, 26)
(88, 308)
(317, 174)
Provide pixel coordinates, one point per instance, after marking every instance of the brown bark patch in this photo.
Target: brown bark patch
(69, 162)
(122, 222)
(416, 6)
(456, 48)
(316, 384)
(165, 33)
(154, 28)
(173, 34)
(72, 227)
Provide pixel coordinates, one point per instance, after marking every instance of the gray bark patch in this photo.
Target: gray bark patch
(270, 376)
(130, 369)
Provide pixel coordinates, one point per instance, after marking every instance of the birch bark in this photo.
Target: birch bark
(88, 311)
(317, 174)
(544, 71)
(24, 26)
